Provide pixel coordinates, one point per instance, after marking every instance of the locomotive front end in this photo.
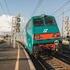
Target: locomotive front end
(46, 33)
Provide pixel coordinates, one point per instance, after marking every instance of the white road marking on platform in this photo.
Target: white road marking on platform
(17, 61)
(29, 60)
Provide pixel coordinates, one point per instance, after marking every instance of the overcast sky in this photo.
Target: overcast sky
(5, 23)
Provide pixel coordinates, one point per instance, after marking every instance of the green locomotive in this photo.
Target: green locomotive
(42, 33)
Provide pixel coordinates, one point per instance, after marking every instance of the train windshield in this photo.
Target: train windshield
(50, 20)
(38, 22)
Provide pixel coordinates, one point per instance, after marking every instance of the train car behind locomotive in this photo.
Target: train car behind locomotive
(42, 33)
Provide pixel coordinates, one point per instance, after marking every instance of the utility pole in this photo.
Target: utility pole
(62, 23)
(15, 29)
(65, 26)
(18, 19)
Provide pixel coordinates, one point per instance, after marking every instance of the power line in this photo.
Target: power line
(7, 6)
(1, 7)
(68, 10)
(65, 4)
(37, 6)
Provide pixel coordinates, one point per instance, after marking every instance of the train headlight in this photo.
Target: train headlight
(37, 37)
(56, 42)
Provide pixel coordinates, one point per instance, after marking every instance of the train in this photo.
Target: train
(42, 33)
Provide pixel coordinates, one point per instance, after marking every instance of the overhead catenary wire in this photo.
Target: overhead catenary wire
(68, 10)
(37, 6)
(1, 7)
(65, 4)
(7, 6)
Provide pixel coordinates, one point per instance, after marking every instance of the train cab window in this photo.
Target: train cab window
(38, 22)
(50, 20)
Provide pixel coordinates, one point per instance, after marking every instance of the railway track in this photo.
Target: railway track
(58, 64)
(52, 63)
(64, 57)
(40, 64)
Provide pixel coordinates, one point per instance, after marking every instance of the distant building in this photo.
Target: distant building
(5, 33)
(66, 27)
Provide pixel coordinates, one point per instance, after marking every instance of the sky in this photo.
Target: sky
(5, 23)
(28, 8)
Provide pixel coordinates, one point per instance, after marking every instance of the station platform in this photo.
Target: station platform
(14, 58)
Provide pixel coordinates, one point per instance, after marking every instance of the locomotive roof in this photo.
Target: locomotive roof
(42, 16)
